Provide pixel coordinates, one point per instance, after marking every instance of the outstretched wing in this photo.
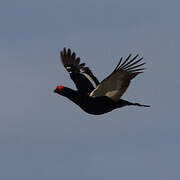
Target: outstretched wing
(118, 81)
(82, 76)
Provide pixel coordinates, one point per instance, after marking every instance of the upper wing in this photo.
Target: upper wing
(82, 76)
(118, 81)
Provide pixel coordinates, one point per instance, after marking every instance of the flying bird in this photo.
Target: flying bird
(91, 95)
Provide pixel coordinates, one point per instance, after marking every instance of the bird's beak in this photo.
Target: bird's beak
(56, 90)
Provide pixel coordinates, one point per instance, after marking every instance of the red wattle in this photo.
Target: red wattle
(59, 87)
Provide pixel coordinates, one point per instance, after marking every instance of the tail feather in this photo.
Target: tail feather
(142, 105)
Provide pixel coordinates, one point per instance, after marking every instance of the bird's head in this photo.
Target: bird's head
(65, 91)
(59, 89)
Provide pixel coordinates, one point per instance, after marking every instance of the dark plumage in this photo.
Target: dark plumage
(94, 97)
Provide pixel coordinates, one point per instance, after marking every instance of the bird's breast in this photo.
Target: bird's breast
(97, 105)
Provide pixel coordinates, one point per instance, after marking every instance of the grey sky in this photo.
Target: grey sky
(45, 136)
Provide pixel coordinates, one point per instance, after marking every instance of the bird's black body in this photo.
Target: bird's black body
(94, 97)
(96, 106)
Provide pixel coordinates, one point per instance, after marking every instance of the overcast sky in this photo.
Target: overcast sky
(45, 136)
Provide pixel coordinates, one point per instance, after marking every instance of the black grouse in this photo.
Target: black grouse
(94, 97)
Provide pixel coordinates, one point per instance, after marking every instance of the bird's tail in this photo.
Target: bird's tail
(142, 105)
(123, 102)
